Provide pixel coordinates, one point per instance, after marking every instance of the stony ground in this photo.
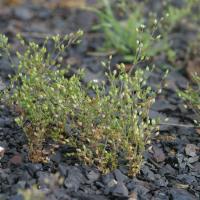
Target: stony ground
(172, 169)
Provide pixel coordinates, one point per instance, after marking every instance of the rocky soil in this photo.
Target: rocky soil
(172, 169)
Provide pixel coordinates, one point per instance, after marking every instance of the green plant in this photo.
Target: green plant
(125, 135)
(39, 94)
(177, 15)
(193, 97)
(122, 36)
(51, 102)
(34, 193)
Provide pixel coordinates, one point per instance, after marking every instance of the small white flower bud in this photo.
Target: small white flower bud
(159, 91)
(95, 81)
(158, 37)
(103, 63)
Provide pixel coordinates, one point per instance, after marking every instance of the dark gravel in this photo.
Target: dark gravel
(172, 169)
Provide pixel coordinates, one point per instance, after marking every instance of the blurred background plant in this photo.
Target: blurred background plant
(119, 18)
(53, 182)
(192, 94)
(121, 33)
(192, 97)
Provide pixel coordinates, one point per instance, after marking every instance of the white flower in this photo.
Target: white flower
(142, 26)
(95, 81)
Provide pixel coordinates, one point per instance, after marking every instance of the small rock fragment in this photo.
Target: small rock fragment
(190, 150)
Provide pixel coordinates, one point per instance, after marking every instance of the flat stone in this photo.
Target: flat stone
(41, 175)
(148, 174)
(146, 154)
(63, 168)
(190, 150)
(13, 178)
(162, 182)
(124, 169)
(158, 154)
(176, 194)
(185, 178)
(119, 176)
(167, 170)
(154, 115)
(3, 175)
(99, 184)
(163, 105)
(26, 176)
(120, 190)
(157, 176)
(112, 183)
(89, 191)
(133, 195)
(105, 179)
(92, 176)
(108, 190)
(75, 179)
(17, 158)
(197, 165)
(193, 159)
(145, 184)
(57, 157)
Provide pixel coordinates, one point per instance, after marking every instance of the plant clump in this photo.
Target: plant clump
(39, 95)
(192, 97)
(114, 124)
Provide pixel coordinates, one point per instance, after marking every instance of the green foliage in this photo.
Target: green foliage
(192, 97)
(184, 14)
(125, 135)
(40, 92)
(176, 15)
(123, 36)
(115, 124)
